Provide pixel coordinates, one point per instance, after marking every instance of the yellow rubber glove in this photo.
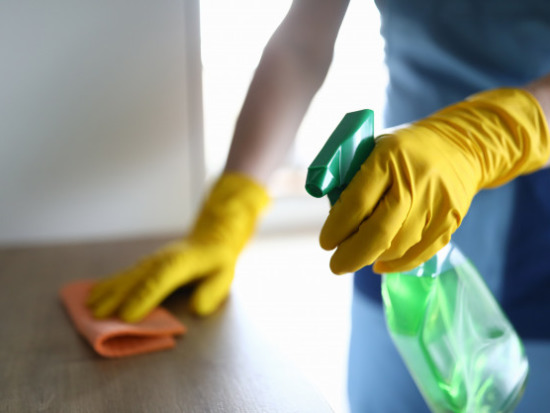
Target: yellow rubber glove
(416, 186)
(208, 255)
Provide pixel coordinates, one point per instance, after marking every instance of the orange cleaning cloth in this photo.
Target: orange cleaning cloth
(113, 337)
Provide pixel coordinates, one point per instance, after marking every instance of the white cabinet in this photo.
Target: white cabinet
(100, 119)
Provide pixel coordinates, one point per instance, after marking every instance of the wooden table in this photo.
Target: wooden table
(221, 365)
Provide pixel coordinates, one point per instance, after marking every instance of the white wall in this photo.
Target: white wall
(100, 111)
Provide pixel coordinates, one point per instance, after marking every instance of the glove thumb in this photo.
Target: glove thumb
(212, 291)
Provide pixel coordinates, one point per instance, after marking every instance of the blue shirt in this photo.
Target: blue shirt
(439, 52)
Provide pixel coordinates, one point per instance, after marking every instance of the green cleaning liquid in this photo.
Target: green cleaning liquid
(456, 342)
(458, 345)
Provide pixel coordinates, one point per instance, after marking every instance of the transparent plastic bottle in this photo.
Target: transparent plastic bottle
(458, 345)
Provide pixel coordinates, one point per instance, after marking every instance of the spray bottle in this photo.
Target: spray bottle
(462, 352)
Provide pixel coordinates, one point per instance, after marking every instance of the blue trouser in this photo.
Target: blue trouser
(378, 381)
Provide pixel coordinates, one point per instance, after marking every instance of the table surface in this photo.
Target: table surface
(221, 365)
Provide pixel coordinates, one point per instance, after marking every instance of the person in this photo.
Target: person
(473, 78)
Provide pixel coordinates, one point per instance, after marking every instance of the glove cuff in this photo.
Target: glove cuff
(514, 126)
(231, 211)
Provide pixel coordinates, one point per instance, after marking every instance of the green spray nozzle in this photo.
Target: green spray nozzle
(342, 155)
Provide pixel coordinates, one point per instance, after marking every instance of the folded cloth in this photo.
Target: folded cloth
(113, 337)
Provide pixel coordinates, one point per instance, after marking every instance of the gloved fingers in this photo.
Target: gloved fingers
(374, 236)
(173, 272)
(145, 296)
(108, 304)
(99, 291)
(421, 252)
(120, 280)
(408, 235)
(357, 201)
(212, 291)
(106, 297)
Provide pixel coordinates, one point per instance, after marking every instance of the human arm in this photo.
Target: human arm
(292, 68)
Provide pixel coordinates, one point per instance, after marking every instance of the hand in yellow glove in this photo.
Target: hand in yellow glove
(416, 186)
(208, 255)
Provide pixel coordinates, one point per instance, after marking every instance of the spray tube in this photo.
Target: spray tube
(462, 352)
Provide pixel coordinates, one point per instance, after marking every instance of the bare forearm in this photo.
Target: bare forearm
(277, 100)
(540, 89)
(292, 69)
